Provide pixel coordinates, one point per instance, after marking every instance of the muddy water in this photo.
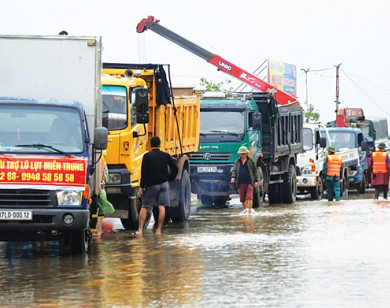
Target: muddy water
(310, 254)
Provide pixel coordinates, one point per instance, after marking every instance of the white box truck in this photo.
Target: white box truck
(51, 138)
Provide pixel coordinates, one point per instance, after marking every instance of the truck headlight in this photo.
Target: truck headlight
(69, 197)
(114, 178)
(306, 170)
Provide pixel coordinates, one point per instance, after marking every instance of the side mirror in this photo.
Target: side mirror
(100, 138)
(364, 145)
(322, 142)
(257, 121)
(141, 105)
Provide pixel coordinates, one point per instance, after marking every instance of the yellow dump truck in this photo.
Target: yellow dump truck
(137, 105)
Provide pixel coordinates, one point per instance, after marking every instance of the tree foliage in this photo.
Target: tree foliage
(311, 115)
(215, 87)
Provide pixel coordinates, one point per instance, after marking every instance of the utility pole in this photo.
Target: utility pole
(337, 88)
(306, 101)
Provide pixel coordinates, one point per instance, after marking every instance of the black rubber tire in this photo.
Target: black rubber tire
(344, 185)
(135, 203)
(206, 200)
(274, 194)
(258, 193)
(362, 186)
(77, 241)
(316, 192)
(220, 201)
(181, 212)
(289, 186)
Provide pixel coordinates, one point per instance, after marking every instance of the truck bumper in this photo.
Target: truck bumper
(211, 183)
(307, 180)
(49, 219)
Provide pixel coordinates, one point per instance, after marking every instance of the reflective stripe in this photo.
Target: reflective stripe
(334, 165)
(379, 162)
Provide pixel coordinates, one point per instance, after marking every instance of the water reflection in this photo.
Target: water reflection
(310, 254)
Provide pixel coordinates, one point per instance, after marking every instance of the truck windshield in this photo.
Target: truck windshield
(307, 139)
(342, 140)
(33, 129)
(220, 122)
(114, 107)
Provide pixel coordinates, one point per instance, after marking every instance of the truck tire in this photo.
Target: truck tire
(206, 200)
(217, 201)
(77, 241)
(289, 186)
(274, 194)
(344, 185)
(220, 201)
(258, 193)
(135, 203)
(316, 192)
(362, 186)
(181, 212)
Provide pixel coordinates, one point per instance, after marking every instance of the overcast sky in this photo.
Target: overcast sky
(315, 35)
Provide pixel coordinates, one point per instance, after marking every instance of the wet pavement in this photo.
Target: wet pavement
(310, 254)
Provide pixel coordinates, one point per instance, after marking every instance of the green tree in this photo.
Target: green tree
(311, 115)
(215, 87)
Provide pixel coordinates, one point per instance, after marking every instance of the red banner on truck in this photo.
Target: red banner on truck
(38, 170)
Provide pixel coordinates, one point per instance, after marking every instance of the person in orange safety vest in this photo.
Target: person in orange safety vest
(331, 174)
(380, 168)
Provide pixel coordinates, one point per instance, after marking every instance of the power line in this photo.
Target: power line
(370, 82)
(360, 89)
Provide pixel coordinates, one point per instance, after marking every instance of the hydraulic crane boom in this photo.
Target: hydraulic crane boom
(151, 23)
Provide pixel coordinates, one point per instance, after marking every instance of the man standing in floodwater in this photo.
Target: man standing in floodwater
(244, 174)
(157, 169)
(380, 168)
(331, 172)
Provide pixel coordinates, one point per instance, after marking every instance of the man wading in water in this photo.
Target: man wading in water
(244, 174)
(157, 169)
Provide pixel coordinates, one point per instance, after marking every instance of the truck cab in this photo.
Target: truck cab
(346, 140)
(310, 162)
(226, 124)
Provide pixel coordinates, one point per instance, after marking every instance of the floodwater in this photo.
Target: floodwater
(310, 254)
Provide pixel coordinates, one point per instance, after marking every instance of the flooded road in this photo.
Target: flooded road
(310, 254)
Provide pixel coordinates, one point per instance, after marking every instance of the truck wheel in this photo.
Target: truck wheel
(344, 185)
(77, 241)
(316, 192)
(274, 194)
(135, 203)
(206, 200)
(181, 212)
(362, 186)
(220, 201)
(258, 193)
(289, 186)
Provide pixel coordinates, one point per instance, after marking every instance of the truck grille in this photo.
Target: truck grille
(210, 156)
(25, 198)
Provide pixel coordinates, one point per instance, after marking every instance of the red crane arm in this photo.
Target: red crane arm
(151, 23)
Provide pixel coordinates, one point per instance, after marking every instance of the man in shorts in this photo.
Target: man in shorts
(157, 169)
(244, 174)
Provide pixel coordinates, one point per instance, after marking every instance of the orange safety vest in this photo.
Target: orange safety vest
(379, 162)
(334, 165)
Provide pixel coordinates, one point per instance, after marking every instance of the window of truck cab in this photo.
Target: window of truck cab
(114, 107)
(29, 128)
(220, 121)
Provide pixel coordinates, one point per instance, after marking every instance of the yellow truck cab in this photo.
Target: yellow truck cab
(137, 105)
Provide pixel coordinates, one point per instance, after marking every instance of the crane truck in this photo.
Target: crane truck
(137, 105)
(51, 138)
(269, 123)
